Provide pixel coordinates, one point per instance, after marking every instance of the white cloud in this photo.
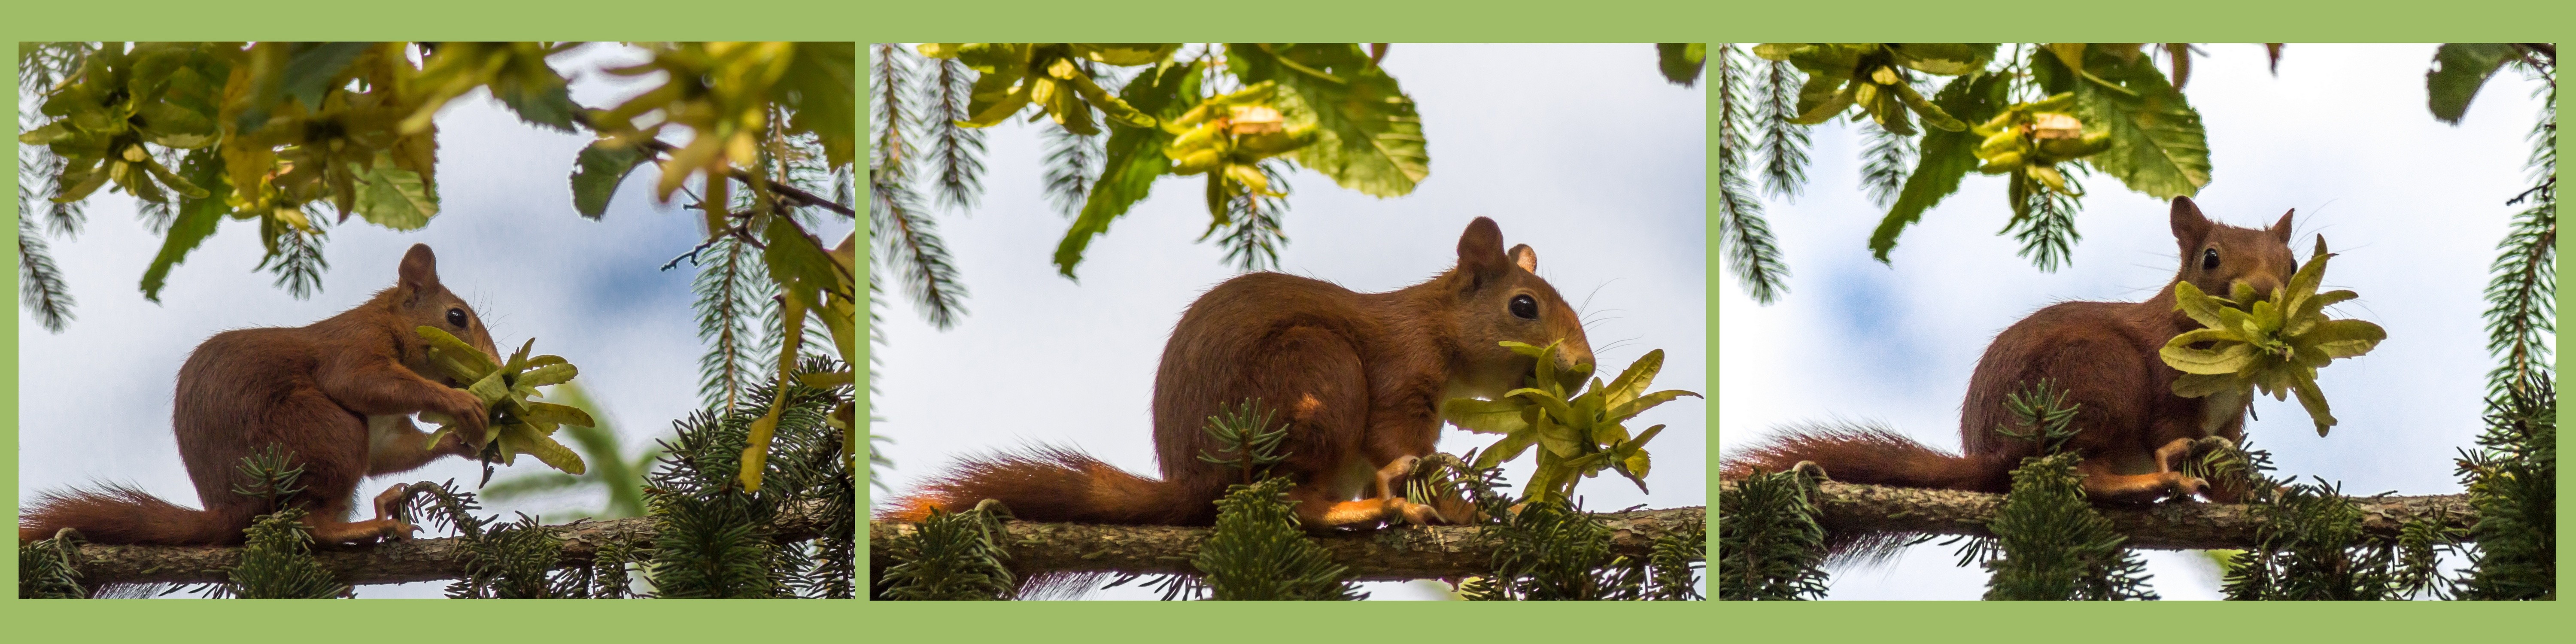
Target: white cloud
(2414, 206)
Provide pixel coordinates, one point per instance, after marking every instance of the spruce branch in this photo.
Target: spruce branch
(1751, 252)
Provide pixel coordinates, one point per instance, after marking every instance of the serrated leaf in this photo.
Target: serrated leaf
(1945, 157)
(598, 170)
(554, 374)
(550, 413)
(393, 197)
(1633, 381)
(1681, 62)
(2157, 143)
(1368, 134)
(2199, 385)
(2344, 338)
(522, 439)
(193, 222)
(2314, 400)
(1132, 160)
(1640, 404)
(2230, 359)
(1510, 447)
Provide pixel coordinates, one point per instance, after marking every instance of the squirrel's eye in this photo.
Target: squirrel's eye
(2209, 259)
(456, 318)
(1524, 307)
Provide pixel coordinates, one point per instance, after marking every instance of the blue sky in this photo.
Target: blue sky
(1582, 151)
(2415, 208)
(94, 400)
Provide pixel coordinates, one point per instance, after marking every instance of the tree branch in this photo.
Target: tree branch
(1389, 554)
(391, 562)
(2172, 525)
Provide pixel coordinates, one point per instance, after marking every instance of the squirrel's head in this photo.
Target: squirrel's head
(420, 300)
(2215, 255)
(1500, 297)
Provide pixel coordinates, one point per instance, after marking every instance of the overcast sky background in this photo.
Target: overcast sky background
(94, 400)
(1582, 151)
(2415, 208)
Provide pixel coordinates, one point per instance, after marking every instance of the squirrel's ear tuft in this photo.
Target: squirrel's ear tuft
(1480, 250)
(2189, 226)
(2281, 229)
(420, 271)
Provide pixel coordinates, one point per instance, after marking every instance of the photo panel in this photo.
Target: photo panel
(1289, 321)
(2050, 321)
(437, 319)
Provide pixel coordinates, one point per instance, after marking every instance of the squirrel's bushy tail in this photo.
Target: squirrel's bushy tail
(121, 514)
(1060, 485)
(1864, 453)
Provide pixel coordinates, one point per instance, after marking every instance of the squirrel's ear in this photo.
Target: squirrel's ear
(1525, 257)
(420, 271)
(2281, 229)
(2189, 226)
(1480, 250)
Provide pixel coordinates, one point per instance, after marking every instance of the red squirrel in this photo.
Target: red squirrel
(1357, 377)
(2130, 427)
(336, 396)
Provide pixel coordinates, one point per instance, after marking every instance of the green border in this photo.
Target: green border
(1366, 20)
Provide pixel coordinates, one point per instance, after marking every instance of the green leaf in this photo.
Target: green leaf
(1946, 59)
(2314, 400)
(1681, 62)
(1503, 451)
(1945, 156)
(311, 72)
(522, 439)
(460, 360)
(1369, 138)
(2157, 144)
(1126, 54)
(193, 223)
(596, 173)
(1634, 380)
(1484, 416)
(798, 264)
(2459, 69)
(2192, 385)
(1645, 402)
(1557, 408)
(553, 374)
(2198, 305)
(553, 414)
(1133, 158)
(393, 197)
(1559, 439)
(2343, 338)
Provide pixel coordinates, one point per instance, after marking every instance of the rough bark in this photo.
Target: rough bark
(2172, 525)
(1386, 554)
(390, 562)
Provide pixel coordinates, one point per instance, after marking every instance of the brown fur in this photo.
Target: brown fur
(310, 390)
(1358, 377)
(2130, 426)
